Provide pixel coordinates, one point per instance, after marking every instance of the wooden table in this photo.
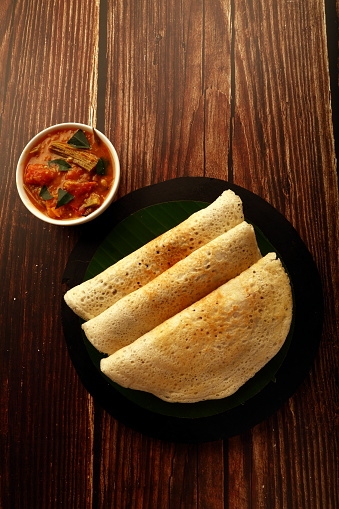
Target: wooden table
(238, 91)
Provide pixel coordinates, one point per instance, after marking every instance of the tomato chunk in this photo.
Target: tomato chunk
(79, 188)
(39, 174)
(76, 174)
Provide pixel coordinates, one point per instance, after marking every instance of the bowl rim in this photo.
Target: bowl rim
(20, 169)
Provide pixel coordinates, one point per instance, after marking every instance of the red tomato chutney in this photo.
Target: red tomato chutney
(65, 180)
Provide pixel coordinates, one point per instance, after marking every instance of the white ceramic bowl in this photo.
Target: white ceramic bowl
(21, 168)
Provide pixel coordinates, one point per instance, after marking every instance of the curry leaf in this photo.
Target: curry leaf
(45, 194)
(100, 167)
(79, 140)
(63, 198)
(61, 163)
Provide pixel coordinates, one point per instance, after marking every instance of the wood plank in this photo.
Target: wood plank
(283, 149)
(168, 106)
(171, 78)
(282, 141)
(217, 74)
(47, 78)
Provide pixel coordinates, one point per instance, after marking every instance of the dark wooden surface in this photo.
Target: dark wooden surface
(220, 88)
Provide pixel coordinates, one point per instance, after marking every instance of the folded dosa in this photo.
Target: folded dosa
(92, 297)
(210, 349)
(172, 291)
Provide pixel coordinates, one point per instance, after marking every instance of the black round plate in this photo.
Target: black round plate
(307, 321)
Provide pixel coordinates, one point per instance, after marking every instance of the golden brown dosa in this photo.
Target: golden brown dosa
(175, 289)
(92, 297)
(210, 349)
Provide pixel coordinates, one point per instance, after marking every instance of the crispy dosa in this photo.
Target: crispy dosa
(210, 349)
(92, 297)
(172, 291)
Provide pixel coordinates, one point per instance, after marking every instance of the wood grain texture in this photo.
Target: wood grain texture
(137, 471)
(168, 102)
(48, 67)
(282, 150)
(225, 89)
